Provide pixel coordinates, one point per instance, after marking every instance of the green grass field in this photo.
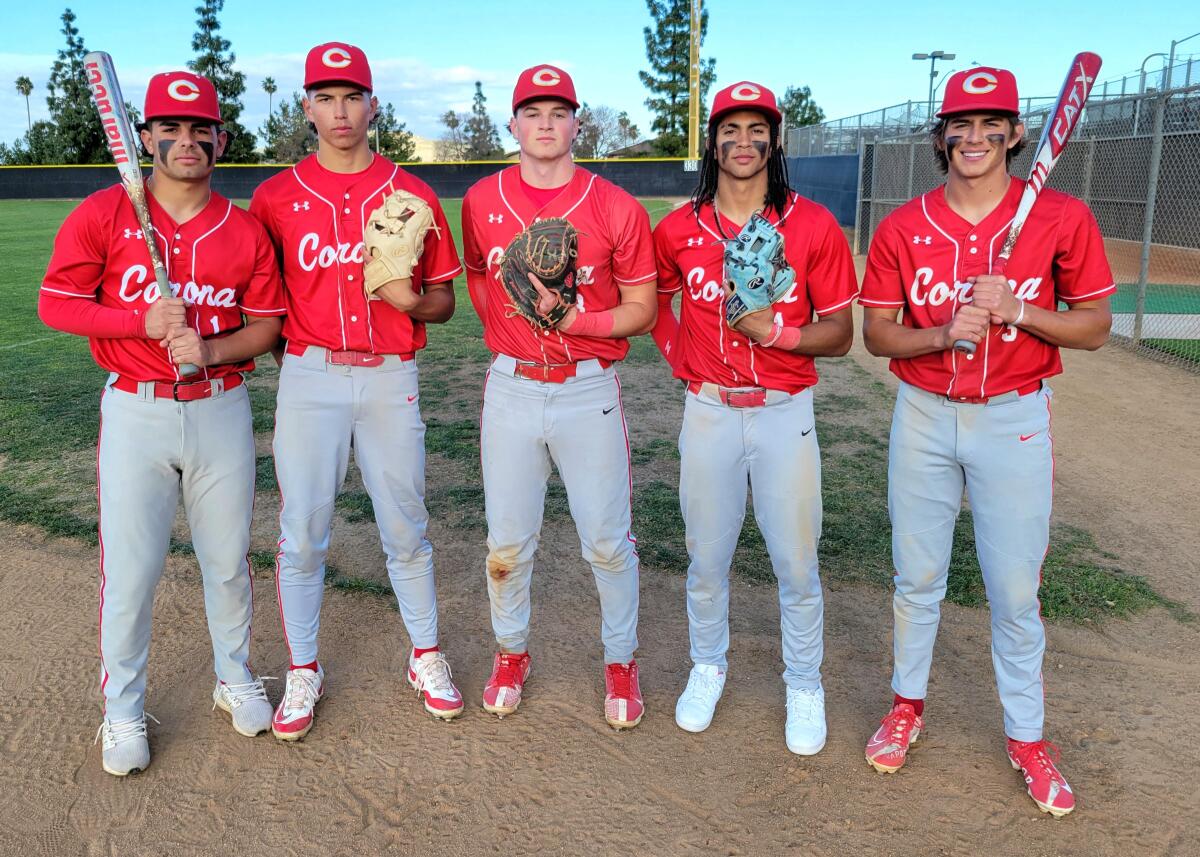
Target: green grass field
(49, 394)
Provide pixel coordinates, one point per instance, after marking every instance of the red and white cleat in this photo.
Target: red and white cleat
(502, 693)
(623, 706)
(889, 745)
(294, 715)
(1047, 787)
(430, 677)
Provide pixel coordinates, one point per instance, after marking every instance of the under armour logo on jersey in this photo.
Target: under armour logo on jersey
(300, 206)
(133, 233)
(928, 239)
(495, 218)
(696, 242)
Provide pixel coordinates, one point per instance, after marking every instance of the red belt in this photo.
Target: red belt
(346, 358)
(983, 400)
(552, 373)
(753, 397)
(180, 391)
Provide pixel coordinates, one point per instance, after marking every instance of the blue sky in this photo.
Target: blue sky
(855, 56)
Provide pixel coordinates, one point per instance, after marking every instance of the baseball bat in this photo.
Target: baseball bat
(106, 94)
(1060, 124)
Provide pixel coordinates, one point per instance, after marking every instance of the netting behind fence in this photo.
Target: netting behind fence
(1136, 162)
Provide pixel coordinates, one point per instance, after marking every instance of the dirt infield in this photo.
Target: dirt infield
(378, 776)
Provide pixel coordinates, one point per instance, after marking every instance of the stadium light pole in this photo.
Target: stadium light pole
(1171, 59)
(933, 57)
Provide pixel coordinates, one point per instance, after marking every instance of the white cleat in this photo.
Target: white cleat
(698, 702)
(805, 731)
(246, 704)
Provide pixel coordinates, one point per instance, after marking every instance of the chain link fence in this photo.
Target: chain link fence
(1135, 161)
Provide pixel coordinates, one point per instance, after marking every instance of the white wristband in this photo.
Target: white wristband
(1016, 321)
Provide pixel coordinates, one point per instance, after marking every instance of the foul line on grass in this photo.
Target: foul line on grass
(31, 341)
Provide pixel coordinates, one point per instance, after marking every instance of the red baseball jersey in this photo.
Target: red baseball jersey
(923, 253)
(316, 219)
(691, 258)
(221, 261)
(615, 249)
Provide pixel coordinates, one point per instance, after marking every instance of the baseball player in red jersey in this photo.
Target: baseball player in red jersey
(553, 396)
(162, 435)
(748, 411)
(982, 421)
(349, 379)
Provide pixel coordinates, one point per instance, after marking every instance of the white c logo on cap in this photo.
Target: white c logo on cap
(980, 83)
(546, 77)
(336, 58)
(183, 90)
(745, 92)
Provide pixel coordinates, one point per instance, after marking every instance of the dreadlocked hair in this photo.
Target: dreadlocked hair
(778, 188)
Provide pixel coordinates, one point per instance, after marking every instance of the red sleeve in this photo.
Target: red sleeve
(882, 285)
(474, 261)
(633, 255)
(670, 278)
(80, 253)
(67, 301)
(439, 261)
(665, 332)
(264, 294)
(1081, 270)
(832, 285)
(85, 317)
(262, 212)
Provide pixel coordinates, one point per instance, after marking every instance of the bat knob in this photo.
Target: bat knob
(965, 346)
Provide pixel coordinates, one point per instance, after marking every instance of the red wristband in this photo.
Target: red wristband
(789, 339)
(591, 324)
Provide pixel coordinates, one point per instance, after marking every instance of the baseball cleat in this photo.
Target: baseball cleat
(889, 745)
(126, 749)
(698, 702)
(294, 716)
(623, 706)
(502, 693)
(1048, 788)
(805, 731)
(430, 677)
(246, 704)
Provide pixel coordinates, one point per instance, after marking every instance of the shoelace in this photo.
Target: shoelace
(434, 674)
(246, 691)
(900, 723)
(123, 730)
(301, 691)
(801, 703)
(508, 670)
(622, 675)
(1042, 753)
(701, 686)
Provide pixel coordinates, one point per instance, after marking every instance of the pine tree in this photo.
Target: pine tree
(395, 141)
(77, 136)
(287, 133)
(482, 138)
(215, 61)
(668, 52)
(799, 109)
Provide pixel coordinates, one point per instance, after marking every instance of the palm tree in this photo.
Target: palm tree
(270, 89)
(25, 87)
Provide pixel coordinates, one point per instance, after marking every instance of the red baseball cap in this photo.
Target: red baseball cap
(337, 62)
(981, 89)
(181, 95)
(544, 81)
(745, 96)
